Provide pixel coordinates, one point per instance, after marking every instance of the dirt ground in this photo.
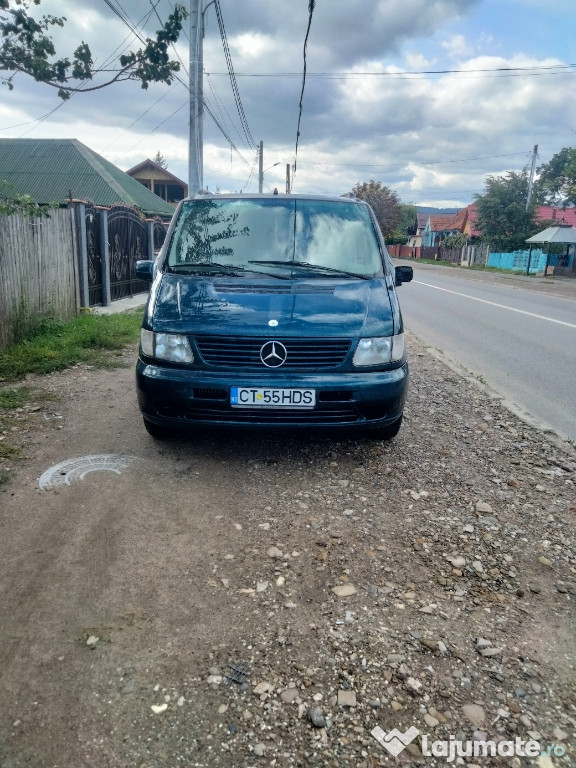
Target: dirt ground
(259, 599)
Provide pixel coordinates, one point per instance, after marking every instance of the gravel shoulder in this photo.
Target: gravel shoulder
(428, 582)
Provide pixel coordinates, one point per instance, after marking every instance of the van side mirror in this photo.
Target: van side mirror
(403, 275)
(145, 270)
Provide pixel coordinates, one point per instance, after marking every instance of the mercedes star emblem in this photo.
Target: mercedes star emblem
(273, 354)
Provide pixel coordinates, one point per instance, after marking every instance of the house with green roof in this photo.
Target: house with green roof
(58, 170)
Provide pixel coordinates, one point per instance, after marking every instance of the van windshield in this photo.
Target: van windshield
(310, 237)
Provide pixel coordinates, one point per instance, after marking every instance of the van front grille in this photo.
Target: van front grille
(302, 354)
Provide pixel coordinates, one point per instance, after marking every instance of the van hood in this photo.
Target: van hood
(257, 307)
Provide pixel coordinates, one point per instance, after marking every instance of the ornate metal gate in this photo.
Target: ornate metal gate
(94, 254)
(160, 229)
(128, 238)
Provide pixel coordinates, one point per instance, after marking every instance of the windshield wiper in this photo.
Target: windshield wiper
(306, 265)
(215, 268)
(206, 268)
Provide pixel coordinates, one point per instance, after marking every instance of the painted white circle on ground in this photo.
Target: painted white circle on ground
(76, 469)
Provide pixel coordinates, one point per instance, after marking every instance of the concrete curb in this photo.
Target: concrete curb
(123, 305)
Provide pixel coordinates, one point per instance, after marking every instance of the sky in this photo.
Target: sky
(427, 97)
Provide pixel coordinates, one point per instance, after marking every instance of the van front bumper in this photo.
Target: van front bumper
(180, 398)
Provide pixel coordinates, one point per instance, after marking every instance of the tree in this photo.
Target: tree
(502, 216)
(384, 202)
(558, 178)
(408, 216)
(27, 47)
(13, 202)
(160, 160)
(458, 240)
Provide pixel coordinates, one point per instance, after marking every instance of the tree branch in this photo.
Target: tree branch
(27, 48)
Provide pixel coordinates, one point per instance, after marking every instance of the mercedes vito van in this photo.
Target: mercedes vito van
(272, 311)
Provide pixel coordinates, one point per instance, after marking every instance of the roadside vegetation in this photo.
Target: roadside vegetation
(54, 345)
(474, 267)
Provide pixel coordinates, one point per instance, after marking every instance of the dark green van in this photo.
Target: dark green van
(273, 311)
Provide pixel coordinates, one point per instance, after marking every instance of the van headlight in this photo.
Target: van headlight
(172, 347)
(383, 349)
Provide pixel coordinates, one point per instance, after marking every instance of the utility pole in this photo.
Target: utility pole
(195, 137)
(530, 186)
(531, 181)
(261, 168)
(287, 178)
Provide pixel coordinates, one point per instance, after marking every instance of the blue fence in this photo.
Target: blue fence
(518, 261)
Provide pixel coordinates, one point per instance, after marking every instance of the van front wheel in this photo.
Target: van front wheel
(387, 432)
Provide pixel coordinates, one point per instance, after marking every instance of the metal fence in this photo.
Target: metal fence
(110, 242)
(128, 238)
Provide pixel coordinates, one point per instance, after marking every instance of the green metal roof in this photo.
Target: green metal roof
(50, 170)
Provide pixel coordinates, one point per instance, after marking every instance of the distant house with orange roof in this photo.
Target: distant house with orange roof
(442, 225)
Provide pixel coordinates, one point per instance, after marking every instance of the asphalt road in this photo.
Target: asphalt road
(516, 334)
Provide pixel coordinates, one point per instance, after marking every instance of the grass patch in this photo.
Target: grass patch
(437, 261)
(8, 451)
(474, 267)
(16, 398)
(484, 268)
(55, 345)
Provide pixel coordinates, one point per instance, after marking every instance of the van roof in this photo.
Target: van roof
(272, 195)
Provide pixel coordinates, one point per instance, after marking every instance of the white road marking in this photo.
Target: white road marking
(501, 306)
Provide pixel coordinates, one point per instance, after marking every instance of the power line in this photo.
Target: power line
(225, 116)
(183, 32)
(208, 109)
(235, 91)
(184, 67)
(121, 13)
(126, 20)
(251, 175)
(216, 122)
(124, 44)
(311, 6)
(553, 69)
(153, 130)
(133, 123)
(61, 103)
(411, 162)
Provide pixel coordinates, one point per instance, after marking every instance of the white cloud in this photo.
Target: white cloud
(355, 126)
(457, 47)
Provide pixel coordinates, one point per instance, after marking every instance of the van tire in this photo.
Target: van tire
(387, 432)
(158, 432)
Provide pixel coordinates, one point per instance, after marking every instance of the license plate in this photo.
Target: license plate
(267, 397)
